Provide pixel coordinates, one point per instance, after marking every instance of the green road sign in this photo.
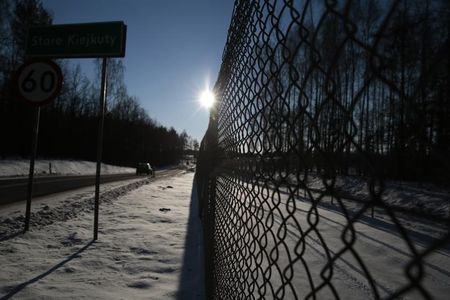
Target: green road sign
(105, 39)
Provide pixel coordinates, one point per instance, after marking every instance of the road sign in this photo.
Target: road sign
(104, 39)
(39, 81)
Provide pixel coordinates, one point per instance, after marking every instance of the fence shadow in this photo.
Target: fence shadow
(23, 285)
(192, 279)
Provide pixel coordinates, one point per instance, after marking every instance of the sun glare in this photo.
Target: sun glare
(207, 99)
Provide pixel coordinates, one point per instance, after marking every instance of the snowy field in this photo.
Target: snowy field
(149, 245)
(20, 167)
(416, 197)
(379, 245)
(314, 236)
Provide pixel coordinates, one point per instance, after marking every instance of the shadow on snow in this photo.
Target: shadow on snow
(191, 285)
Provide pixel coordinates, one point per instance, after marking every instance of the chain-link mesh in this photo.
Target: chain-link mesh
(324, 170)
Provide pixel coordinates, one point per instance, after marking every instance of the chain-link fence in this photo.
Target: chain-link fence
(324, 173)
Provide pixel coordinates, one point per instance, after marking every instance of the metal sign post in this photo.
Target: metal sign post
(31, 173)
(38, 83)
(101, 117)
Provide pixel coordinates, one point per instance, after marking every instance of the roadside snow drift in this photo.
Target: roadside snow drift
(20, 167)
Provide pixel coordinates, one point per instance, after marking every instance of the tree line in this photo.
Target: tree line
(351, 87)
(68, 127)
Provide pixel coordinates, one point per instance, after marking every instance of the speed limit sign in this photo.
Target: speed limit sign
(39, 81)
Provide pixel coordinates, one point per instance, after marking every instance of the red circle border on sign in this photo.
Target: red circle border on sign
(58, 84)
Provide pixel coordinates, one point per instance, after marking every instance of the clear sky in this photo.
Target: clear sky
(174, 50)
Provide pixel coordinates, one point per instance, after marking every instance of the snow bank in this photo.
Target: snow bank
(407, 196)
(20, 167)
(149, 247)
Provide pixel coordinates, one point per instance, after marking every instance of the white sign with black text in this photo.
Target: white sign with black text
(39, 81)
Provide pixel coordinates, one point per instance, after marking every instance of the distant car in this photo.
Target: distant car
(144, 168)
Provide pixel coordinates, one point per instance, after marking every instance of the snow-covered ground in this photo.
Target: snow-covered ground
(416, 197)
(20, 167)
(287, 237)
(149, 246)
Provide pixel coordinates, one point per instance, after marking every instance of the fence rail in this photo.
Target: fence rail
(324, 172)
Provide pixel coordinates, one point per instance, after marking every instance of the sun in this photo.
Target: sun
(207, 99)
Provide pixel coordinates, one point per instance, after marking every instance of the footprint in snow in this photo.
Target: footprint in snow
(69, 270)
(142, 251)
(166, 187)
(165, 270)
(71, 240)
(142, 284)
(7, 250)
(53, 246)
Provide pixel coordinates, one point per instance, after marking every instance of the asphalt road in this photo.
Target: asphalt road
(15, 189)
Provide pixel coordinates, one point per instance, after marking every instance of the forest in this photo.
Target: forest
(68, 126)
(350, 87)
